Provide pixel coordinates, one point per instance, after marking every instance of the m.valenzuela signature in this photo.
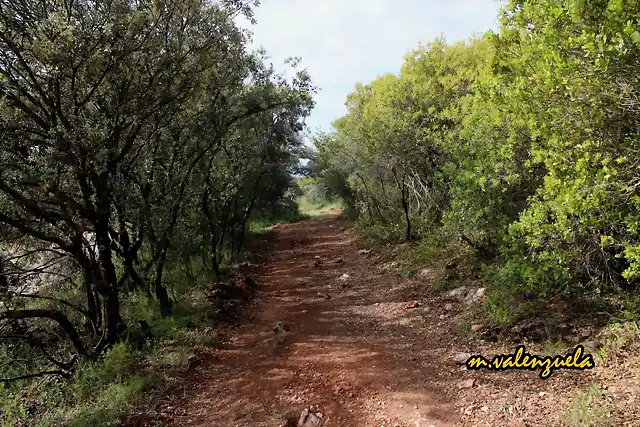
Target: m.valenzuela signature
(522, 360)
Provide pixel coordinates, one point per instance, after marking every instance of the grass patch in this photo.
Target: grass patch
(259, 226)
(464, 329)
(102, 391)
(617, 335)
(319, 210)
(587, 410)
(554, 348)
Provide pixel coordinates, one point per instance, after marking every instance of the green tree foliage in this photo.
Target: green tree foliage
(134, 133)
(522, 143)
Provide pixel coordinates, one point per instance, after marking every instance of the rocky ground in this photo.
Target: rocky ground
(335, 337)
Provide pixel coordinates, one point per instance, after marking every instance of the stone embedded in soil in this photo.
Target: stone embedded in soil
(468, 383)
(412, 304)
(364, 251)
(448, 306)
(303, 417)
(479, 295)
(476, 328)
(519, 422)
(457, 292)
(590, 346)
(308, 419)
(325, 296)
(426, 272)
(461, 358)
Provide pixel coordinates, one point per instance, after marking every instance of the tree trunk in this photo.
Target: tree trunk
(161, 291)
(405, 208)
(114, 324)
(215, 264)
(94, 322)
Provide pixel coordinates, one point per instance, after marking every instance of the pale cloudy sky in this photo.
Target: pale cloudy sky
(342, 42)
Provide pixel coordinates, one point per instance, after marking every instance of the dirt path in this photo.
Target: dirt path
(360, 355)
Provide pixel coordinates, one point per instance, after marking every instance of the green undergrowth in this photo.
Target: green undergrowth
(450, 263)
(588, 409)
(131, 372)
(259, 226)
(322, 209)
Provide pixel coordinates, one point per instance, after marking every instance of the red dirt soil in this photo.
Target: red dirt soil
(360, 355)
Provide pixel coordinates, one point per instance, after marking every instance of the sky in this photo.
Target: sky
(343, 42)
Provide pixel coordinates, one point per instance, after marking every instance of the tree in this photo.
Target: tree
(114, 116)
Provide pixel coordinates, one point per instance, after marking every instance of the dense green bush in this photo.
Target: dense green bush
(522, 144)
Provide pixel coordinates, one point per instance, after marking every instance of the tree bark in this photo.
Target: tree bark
(161, 291)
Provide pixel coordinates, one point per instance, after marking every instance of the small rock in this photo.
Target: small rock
(309, 419)
(325, 296)
(468, 410)
(344, 277)
(448, 306)
(412, 304)
(479, 295)
(457, 292)
(468, 383)
(426, 272)
(468, 295)
(364, 251)
(461, 358)
(318, 257)
(443, 316)
(590, 346)
(338, 261)
(303, 417)
(542, 393)
(485, 409)
(476, 328)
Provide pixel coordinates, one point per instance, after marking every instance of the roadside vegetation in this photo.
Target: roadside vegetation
(316, 201)
(142, 143)
(510, 158)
